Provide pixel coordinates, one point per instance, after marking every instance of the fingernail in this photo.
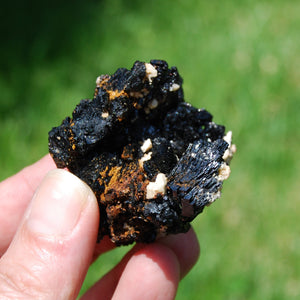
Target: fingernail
(58, 204)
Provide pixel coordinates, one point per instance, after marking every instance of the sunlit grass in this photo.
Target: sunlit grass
(239, 59)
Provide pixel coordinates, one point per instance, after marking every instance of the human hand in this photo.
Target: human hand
(48, 232)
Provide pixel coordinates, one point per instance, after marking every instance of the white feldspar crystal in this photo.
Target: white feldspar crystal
(147, 156)
(151, 72)
(174, 87)
(157, 187)
(228, 154)
(98, 80)
(147, 145)
(224, 172)
(105, 115)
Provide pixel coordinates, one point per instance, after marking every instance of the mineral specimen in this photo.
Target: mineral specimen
(153, 161)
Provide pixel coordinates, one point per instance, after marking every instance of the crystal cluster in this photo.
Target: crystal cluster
(153, 160)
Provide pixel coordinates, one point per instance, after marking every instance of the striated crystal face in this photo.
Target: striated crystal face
(153, 160)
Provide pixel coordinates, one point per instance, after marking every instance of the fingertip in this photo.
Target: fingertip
(186, 247)
(152, 272)
(59, 204)
(163, 257)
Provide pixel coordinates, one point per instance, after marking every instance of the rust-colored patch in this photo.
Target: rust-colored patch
(116, 94)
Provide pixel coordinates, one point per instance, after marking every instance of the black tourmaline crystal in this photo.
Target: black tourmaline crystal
(153, 161)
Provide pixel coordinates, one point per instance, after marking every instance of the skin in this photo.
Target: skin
(48, 230)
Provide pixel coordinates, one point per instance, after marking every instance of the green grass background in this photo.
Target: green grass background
(239, 60)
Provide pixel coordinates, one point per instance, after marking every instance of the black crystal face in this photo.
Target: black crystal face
(153, 160)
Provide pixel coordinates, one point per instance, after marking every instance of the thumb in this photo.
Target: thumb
(53, 247)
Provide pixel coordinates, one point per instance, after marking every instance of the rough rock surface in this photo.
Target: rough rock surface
(153, 161)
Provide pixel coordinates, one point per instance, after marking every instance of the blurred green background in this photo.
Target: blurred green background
(239, 60)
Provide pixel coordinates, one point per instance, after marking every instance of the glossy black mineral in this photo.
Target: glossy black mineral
(153, 161)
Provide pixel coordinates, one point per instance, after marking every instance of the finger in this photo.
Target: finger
(16, 192)
(53, 247)
(106, 286)
(185, 246)
(152, 273)
(146, 272)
